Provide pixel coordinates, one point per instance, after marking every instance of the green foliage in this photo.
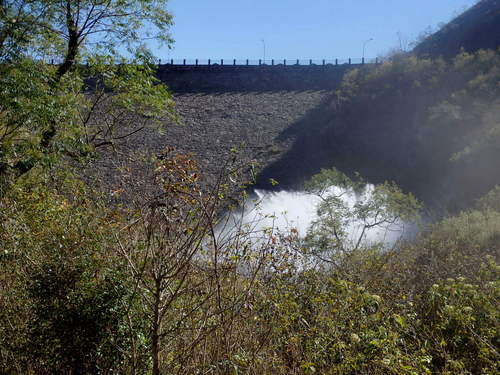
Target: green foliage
(351, 206)
(70, 304)
(329, 326)
(491, 201)
(415, 120)
(20, 24)
(49, 112)
(78, 320)
(459, 321)
(45, 27)
(29, 105)
(63, 298)
(469, 230)
(82, 292)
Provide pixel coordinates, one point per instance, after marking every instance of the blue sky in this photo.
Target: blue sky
(302, 29)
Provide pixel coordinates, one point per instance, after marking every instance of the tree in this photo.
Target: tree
(348, 209)
(65, 28)
(46, 111)
(192, 277)
(49, 114)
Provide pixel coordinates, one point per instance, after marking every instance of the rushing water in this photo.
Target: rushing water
(285, 210)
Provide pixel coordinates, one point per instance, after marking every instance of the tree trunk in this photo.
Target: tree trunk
(73, 43)
(70, 58)
(156, 330)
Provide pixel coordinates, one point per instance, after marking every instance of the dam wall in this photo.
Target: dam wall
(242, 78)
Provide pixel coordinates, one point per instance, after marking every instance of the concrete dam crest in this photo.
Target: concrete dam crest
(244, 78)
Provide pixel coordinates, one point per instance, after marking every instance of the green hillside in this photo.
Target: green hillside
(431, 125)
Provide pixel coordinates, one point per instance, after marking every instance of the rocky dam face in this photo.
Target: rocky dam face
(281, 121)
(258, 111)
(259, 125)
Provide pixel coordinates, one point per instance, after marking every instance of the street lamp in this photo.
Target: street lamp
(364, 46)
(264, 46)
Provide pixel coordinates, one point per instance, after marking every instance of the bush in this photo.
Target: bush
(63, 298)
(78, 323)
(458, 326)
(329, 326)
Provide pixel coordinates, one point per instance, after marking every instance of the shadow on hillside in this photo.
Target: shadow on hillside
(313, 138)
(323, 139)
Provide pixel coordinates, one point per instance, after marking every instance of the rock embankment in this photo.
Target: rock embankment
(213, 124)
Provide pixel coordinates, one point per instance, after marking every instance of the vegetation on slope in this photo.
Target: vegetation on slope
(430, 125)
(158, 287)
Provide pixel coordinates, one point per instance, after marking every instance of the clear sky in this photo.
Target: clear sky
(302, 29)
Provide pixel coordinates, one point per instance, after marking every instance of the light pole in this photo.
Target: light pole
(364, 46)
(264, 47)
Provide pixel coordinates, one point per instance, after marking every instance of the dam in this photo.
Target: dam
(251, 75)
(259, 110)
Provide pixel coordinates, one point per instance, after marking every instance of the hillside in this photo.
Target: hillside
(429, 125)
(477, 28)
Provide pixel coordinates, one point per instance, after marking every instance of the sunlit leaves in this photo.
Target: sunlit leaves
(40, 28)
(29, 104)
(350, 206)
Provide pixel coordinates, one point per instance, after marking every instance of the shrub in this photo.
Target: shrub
(62, 295)
(329, 326)
(458, 325)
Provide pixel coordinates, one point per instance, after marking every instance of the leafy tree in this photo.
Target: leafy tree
(186, 263)
(47, 111)
(348, 209)
(65, 28)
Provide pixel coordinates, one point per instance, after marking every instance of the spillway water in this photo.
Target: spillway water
(280, 212)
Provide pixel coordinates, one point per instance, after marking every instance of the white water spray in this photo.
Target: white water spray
(284, 211)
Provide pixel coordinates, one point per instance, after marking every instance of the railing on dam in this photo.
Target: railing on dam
(257, 62)
(270, 62)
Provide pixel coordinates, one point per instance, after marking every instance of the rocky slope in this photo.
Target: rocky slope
(212, 124)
